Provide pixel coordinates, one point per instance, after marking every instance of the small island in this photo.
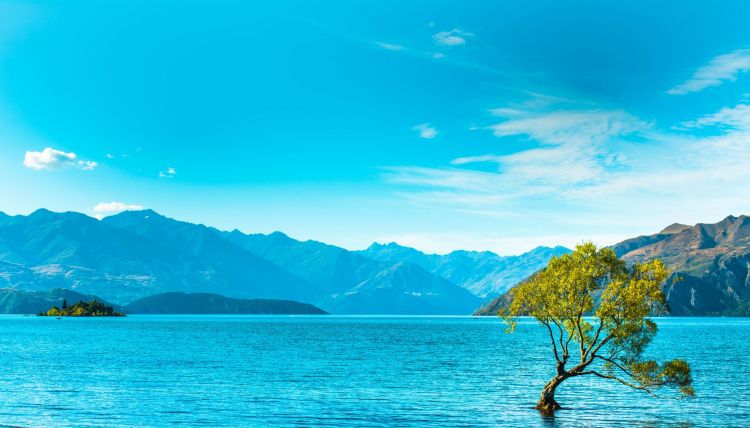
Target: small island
(82, 309)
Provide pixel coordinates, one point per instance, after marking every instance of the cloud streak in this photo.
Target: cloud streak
(389, 46)
(51, 159)
(571, 151)
(454, 37)
(719, 70)
(594, 166)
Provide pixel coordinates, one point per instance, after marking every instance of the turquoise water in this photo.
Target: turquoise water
(341, 371)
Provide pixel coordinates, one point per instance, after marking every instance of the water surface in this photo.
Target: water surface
(341, 371)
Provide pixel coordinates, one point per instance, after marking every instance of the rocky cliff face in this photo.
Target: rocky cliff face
(710, 264)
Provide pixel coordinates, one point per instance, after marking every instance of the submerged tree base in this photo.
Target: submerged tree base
(547, 403)
(547, 406)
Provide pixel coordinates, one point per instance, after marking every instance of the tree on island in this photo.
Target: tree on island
(591, 281)
(83, 309)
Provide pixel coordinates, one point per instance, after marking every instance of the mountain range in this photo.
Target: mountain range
(709, 263)
(484, 273)
(136, 254)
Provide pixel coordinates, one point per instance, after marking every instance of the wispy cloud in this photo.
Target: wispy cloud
(168, 173)
(594, 165)
(568, 126)
(390, 46)
(446, 178)
(572, 151)
(103, 209)
(443, 40)
(52, 159)
(720, 69)
(737, 118)
(426, 131)
(573, 146)
(454, 37)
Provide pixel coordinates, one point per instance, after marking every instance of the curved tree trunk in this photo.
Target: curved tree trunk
(547, 403)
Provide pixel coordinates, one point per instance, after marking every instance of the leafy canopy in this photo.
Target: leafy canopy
(82, 309)
(592, 281)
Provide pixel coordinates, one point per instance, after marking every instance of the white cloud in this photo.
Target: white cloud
(477, 159)
(426, 131)
(567, 126)
(87, 165)
(110, 156)
(103, 209)
(737, 117)
(573, 151)
(169, 173)
(718, 70)
(573, 146)
(51, 159)
(453, 37)
(438, 55)
(390, 46)
(457, 179)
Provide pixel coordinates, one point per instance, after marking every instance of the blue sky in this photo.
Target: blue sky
(441, 125)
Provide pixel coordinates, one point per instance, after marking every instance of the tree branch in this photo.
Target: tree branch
(604, 342)
(567, 342)
(596, 337)
(616, 364)
(560, 339)
(580, 333)
(552, 338)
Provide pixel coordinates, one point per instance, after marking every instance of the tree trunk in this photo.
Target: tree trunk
(547, 403)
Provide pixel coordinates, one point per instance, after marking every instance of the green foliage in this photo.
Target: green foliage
(592, 300)
(83, 309)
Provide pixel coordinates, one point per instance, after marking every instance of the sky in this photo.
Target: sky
(443, 125)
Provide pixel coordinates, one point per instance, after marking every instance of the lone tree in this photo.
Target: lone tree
(593, 281)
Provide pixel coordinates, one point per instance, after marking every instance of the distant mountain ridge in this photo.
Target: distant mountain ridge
(136, 254)
(46, 250)
(357, 284)
(231, 270)
(710, 264)
(484, 273)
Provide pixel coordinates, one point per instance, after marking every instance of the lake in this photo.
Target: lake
(342, 371)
